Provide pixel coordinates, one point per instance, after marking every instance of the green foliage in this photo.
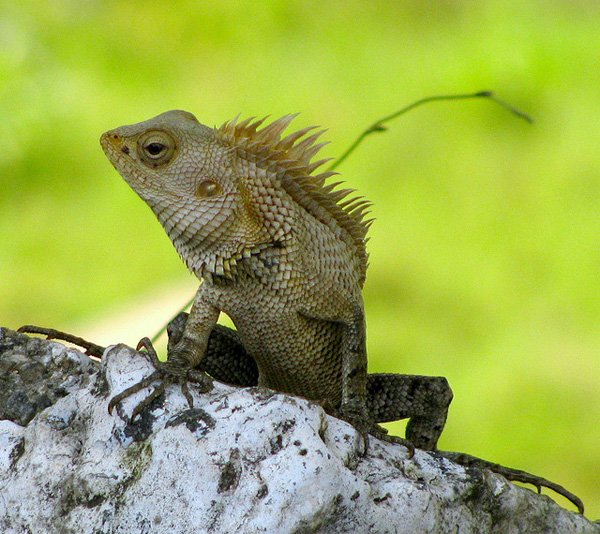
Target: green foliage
(485, 254)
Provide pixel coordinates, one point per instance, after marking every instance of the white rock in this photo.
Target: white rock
(242, 460)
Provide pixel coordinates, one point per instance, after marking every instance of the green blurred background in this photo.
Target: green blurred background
(485, 254)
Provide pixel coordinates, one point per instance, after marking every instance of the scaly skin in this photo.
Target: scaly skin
(283, 254)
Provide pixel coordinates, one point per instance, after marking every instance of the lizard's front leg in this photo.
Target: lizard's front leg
(182, 358)
(355, 394)
(353, 406)
(226, 359)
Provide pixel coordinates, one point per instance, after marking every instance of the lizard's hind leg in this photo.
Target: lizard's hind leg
(422, 399)
(425, 401)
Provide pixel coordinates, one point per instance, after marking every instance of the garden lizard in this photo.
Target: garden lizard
(282, 252)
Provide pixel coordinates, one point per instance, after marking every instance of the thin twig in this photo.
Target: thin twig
(379, 126)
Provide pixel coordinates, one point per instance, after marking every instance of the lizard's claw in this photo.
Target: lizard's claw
(364, 434)
(166, 373)
(359, 419)
(381, 433)
(366, 428)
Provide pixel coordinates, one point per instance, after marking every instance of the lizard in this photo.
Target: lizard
(277, 250)
(282, 251)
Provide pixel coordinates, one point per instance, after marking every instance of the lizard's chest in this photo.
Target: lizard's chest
(273, 302)
(294, 353)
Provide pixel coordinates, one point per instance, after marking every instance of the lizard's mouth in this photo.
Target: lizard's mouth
(111, 142)
(119, 154)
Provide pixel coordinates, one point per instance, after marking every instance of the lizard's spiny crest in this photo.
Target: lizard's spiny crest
(293, 154)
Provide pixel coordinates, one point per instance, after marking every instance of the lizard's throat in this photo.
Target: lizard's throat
(208, 244)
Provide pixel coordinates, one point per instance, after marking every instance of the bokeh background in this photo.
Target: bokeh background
(485, 254)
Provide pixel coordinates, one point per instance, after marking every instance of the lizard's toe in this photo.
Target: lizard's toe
(203, 382)
(165, 374)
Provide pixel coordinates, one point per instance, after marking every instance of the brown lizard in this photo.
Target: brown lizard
(276, 248)
(282, 252)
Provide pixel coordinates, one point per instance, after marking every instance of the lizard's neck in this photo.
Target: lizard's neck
(205, 246)
(208, 247)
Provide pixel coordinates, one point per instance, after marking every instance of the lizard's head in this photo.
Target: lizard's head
(228, 193)
(187, 175)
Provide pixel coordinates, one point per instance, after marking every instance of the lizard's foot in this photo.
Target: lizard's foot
(515, 475)
(381, 433)
(166, 373)
(366, 428)
(91, 349)
(359, 419)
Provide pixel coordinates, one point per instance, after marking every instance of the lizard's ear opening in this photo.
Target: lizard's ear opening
(208, 189)
(156, 148)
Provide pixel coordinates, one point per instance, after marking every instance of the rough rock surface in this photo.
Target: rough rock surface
(242, 460)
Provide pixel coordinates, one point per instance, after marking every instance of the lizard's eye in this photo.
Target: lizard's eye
(208, 188)
(156, 148)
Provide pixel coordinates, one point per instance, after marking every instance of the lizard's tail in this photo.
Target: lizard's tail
(515, 475)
